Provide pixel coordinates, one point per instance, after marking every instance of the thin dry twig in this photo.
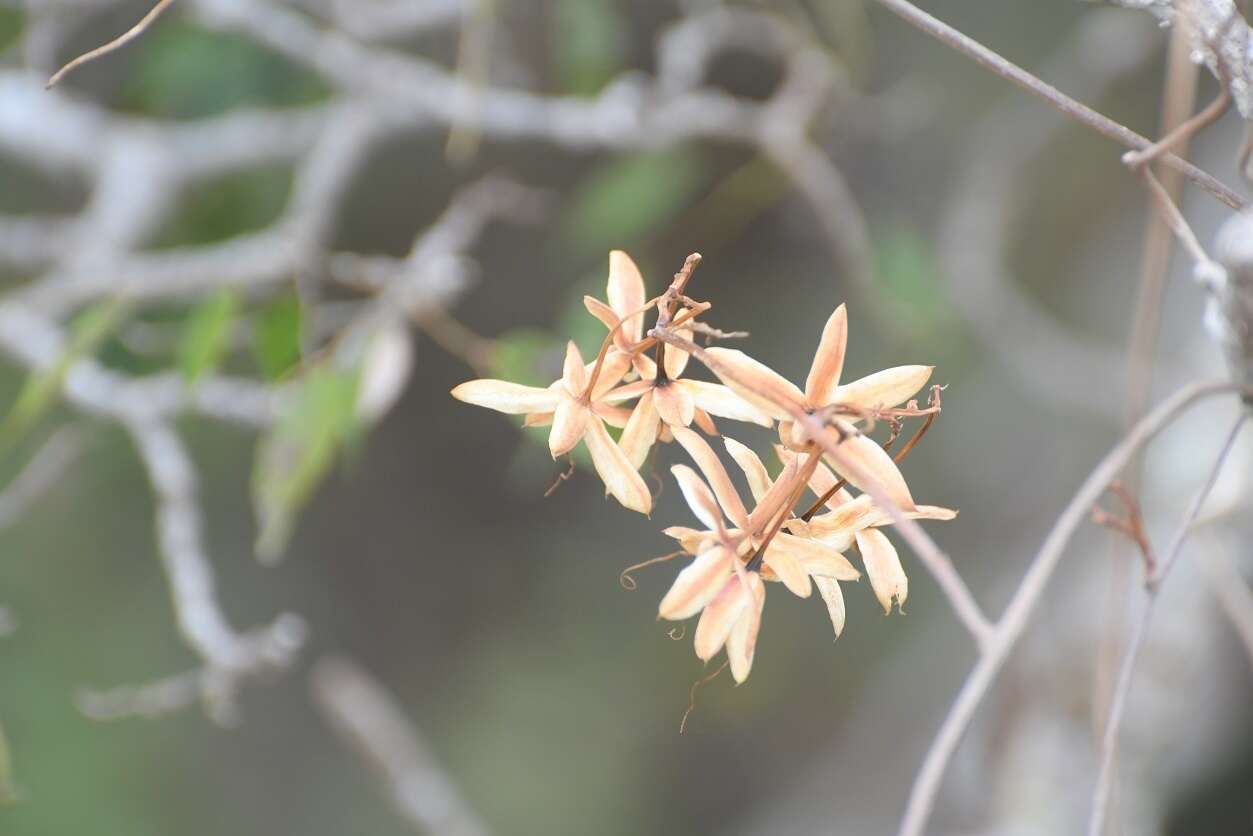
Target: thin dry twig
(561, 479)
(1182, 132)
(1075, 110)
(1131, 526)
(1118, 704)
(115, 44)
(1013, 621)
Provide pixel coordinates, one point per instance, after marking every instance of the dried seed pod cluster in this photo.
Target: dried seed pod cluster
(782, 536)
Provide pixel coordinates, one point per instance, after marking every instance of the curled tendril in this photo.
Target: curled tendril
(677, 633)
(691, 695)
(561, 477)
(628, 582)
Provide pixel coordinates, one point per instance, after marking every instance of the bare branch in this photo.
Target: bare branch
(1033, 85)
(41, 473)
(1009, 628)
(229, 657)
(1109, 743)
(373, 725)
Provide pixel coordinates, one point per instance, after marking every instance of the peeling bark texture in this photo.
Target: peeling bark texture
(1229, 315)
(1221, 38)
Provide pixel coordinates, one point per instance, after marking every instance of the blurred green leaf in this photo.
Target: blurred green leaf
(278, 336)
(910, 278)
(575, 323)
(88, 330)
(299, 451)
(7, 792)
(206, 336)
(238, 203)
(587, 47)
(627, 198)
(519, 356)
(183, 71)
(12, 22)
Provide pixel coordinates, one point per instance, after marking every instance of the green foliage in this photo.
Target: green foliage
(519, 354)
(185, 72)
(206, 335)
(7, 793)
(910, 279)
(626, 199)
(241, 202)
(38, 394)
(294, 457)
(587, 47)
(12, 22)
(278, 336)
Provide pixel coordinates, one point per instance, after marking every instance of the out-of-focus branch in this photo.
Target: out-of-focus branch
(1057, 364)
(1229, 312)
(1065, 104)
(1232, 590)
(1122, 690)
(1009, 628)
(40, 474)
(370, 722)
(229, 657)
(1219, 36)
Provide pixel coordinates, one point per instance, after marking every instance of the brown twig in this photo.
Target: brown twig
(1182, 132)
(561, 479)
(1132, 525)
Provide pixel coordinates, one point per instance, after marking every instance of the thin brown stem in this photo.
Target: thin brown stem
(627, 580)
(802, 479)
(606, 344)
(1182, 132)
(691, 695)
(913, 441)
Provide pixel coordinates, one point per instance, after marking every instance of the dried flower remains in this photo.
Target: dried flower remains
(636, 383)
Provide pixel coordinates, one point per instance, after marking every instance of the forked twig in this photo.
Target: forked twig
(1132, 525)
(1118, 704)
(1182, 132)
(1013, 621)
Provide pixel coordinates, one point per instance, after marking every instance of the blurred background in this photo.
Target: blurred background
(966, 227)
